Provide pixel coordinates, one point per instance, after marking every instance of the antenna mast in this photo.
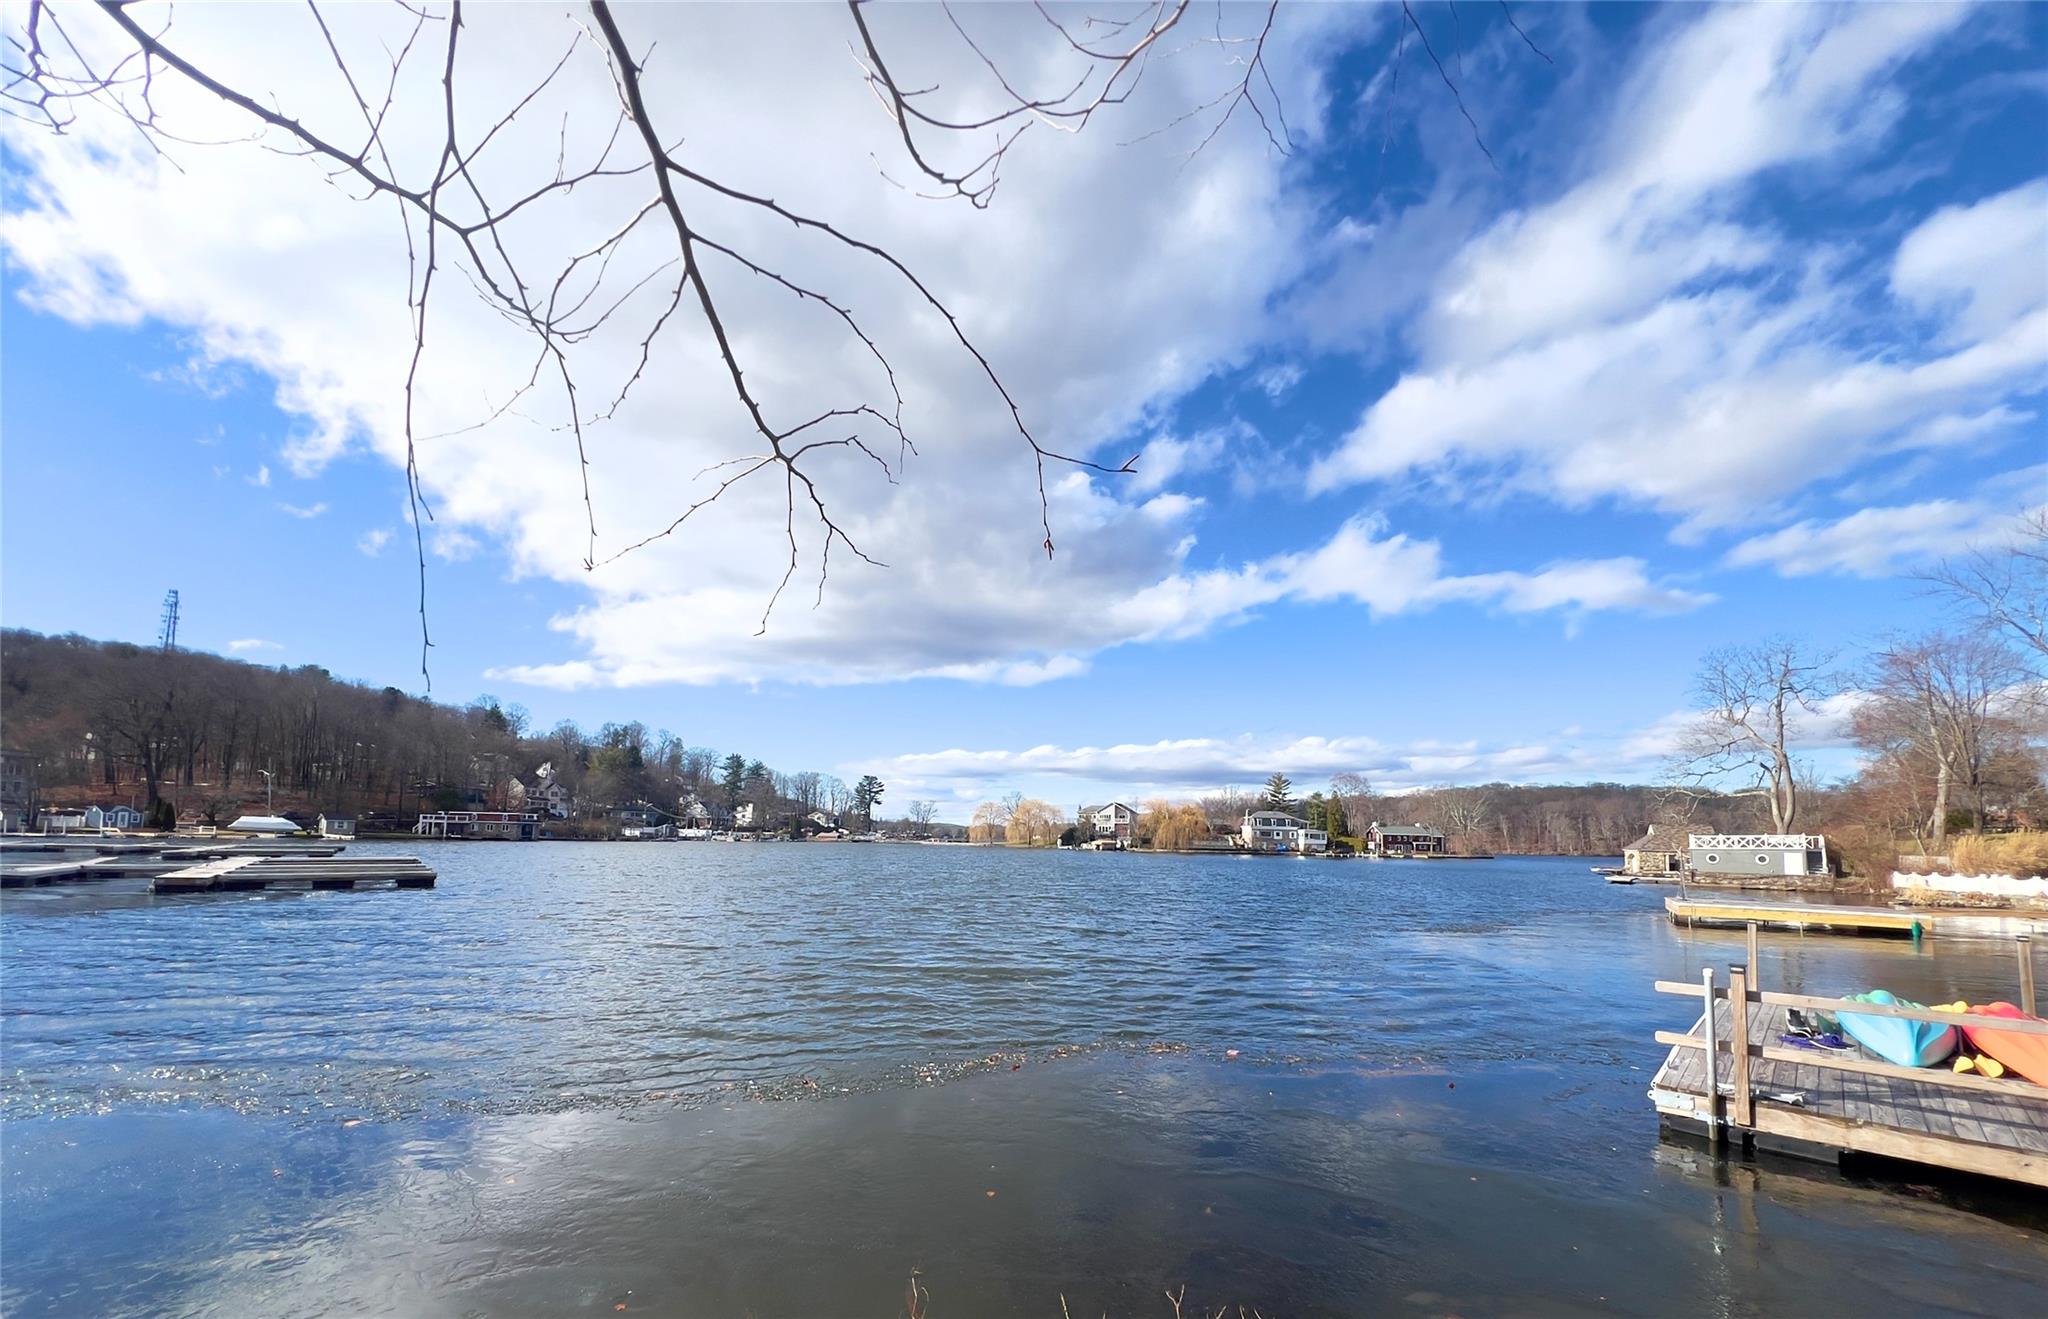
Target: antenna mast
(167, 632)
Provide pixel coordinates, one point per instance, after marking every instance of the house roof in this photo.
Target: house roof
(1416, 829)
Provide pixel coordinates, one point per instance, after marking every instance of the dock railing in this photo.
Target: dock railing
(1740, 1050)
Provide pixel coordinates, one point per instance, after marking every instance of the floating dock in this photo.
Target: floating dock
(188, 865)
(1741, 1085)
(1896, 922)
(250, 873)
(96, 857)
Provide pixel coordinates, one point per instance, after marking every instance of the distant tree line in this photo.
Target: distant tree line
(110, 719)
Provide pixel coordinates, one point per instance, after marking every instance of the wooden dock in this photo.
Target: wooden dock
(1894, 922)
(250, 873)
(97, 858)
(1732, 1079)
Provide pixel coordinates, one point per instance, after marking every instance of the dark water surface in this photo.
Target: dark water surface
(771, 1080)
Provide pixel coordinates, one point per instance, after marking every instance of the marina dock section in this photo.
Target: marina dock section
(246, 873)
(187, 865)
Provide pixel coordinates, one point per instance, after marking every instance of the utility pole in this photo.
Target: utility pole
(268, 808)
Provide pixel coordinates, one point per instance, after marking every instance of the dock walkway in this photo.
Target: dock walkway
(1899, 922)
(249, 873)
(1813, 1102)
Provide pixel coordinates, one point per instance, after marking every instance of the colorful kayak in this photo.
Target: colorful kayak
(2024, 1054)
(1895, 1039)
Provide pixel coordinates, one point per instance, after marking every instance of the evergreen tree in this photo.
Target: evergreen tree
(1333, 812)
(867, 794)
(733, 779)
(1280, 794)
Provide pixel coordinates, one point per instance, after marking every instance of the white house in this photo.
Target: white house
(1114, 820)
(1277, 831)
(693, 812)
(547, 795)
(744, 815)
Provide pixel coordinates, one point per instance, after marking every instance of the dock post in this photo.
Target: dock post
(1713, 1118)
(1750, 965)
(1738, 1042)
(2026, 944)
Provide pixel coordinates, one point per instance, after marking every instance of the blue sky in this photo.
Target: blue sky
(1448, 471)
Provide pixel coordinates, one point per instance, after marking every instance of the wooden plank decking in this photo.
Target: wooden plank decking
(1996, 1129)
(266, 872)
(1899, 922)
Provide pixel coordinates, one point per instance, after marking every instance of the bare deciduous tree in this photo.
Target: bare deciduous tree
(1940, 706)
(2005, 586)
(1460, 812)
(1355, 797)
(1753, 698)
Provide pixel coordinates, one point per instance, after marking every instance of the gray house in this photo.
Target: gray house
(1775, 855)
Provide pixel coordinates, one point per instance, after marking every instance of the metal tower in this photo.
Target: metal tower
(167, 633)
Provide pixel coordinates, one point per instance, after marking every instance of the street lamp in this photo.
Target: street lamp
(268, 783)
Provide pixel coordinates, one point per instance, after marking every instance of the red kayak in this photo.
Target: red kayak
(2025, 1054)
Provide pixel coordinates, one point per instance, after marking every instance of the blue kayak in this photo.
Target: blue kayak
(1894, 1039)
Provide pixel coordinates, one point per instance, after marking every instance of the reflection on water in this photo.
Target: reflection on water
(539, 1090)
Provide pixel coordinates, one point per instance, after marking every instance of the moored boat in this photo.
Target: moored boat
(1895, 1039)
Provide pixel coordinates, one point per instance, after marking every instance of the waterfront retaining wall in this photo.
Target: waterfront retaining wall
(2025, 892)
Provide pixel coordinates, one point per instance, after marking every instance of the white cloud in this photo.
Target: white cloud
(1191, 765)
(1978, 268)
(1637, 339)
(1823, 729)
(1280, 379)
(306, 511)
(248, 645)
(1572, 348)
(262, 477)
(1027, 627)
(105, 232)
(373, 541)
(1875, 542)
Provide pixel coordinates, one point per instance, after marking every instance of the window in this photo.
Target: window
(1762, 859)
(1712, 857)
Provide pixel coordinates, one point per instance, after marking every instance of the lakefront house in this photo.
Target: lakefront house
(1277, 831)
(1113, 820)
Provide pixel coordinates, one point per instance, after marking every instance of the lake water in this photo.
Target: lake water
(775, 1080)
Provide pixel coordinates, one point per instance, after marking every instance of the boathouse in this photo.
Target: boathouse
(521, 826)
(1403, 840)
(337, 826)
(1651, 855)
(1726, 855)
